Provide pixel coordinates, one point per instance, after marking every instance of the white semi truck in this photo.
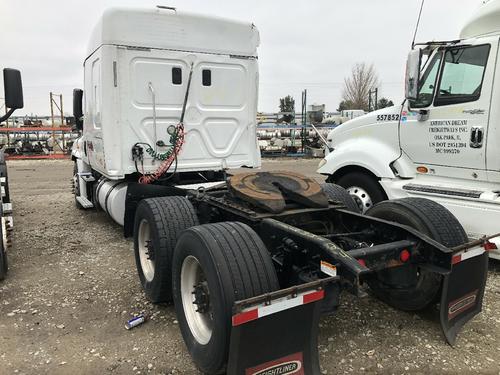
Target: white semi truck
(443, 141)
(168, 110)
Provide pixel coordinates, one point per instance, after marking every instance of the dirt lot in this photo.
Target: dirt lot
(73, 284)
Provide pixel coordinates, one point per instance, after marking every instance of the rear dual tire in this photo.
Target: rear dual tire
(214, 266)
(421, 286)
(158, 225)
(203, 268)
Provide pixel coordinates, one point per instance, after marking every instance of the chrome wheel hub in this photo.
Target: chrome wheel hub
(195, 296)
(146, 250)
(361, 196)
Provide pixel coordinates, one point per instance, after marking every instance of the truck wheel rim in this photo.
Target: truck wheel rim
(146, 251)
(196, 300)
(362, 198)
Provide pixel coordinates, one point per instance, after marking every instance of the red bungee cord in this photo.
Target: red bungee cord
(167, 163)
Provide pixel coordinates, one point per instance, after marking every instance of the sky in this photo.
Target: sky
(304, 44)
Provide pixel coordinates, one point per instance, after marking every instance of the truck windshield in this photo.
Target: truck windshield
(428, 83)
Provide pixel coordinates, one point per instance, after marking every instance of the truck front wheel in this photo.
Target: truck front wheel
(337, 193)
(409, 287)
(214, 266)
(364, 188)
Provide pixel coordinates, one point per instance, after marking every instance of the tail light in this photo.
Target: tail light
(488, 246)
(404, 256)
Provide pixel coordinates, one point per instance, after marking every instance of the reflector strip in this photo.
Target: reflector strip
(245, 317)
(313, 297)
(328, 268)
(277, 305)
(467, 254)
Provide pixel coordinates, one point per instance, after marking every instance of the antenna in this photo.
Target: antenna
(418, 23)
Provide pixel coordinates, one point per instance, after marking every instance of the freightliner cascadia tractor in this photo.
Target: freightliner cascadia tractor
(168, 111)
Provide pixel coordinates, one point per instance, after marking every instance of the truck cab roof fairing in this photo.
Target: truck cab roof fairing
(170, 29)
(486, 20)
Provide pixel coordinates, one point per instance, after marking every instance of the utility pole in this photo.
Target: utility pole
(304, 118)
(62, 124)
(60, 108)
(52, 118)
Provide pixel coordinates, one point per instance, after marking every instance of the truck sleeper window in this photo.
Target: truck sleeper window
(177, 76)
(462, 76)
(206, 77)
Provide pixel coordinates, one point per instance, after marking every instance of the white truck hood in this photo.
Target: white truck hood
(370, 119)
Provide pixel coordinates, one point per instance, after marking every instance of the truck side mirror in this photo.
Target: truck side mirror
(13, 88)
(413, 74)
(78, 108)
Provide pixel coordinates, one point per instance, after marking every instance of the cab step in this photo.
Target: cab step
(7, 208)
(441, 190)
(84, 202)
(86, 176)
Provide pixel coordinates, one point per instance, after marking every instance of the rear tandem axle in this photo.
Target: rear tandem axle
(262, 265)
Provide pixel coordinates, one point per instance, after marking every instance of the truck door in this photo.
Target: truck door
(447, 125)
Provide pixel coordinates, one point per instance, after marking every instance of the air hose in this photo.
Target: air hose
(167, 157)
(176, 140)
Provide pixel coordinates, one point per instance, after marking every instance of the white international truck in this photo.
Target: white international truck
(168, 110)
(443, 141)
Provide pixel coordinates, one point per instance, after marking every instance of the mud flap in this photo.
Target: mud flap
(463, 291)
(278, 336)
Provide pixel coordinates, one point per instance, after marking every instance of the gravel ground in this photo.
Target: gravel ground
(72, 285)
